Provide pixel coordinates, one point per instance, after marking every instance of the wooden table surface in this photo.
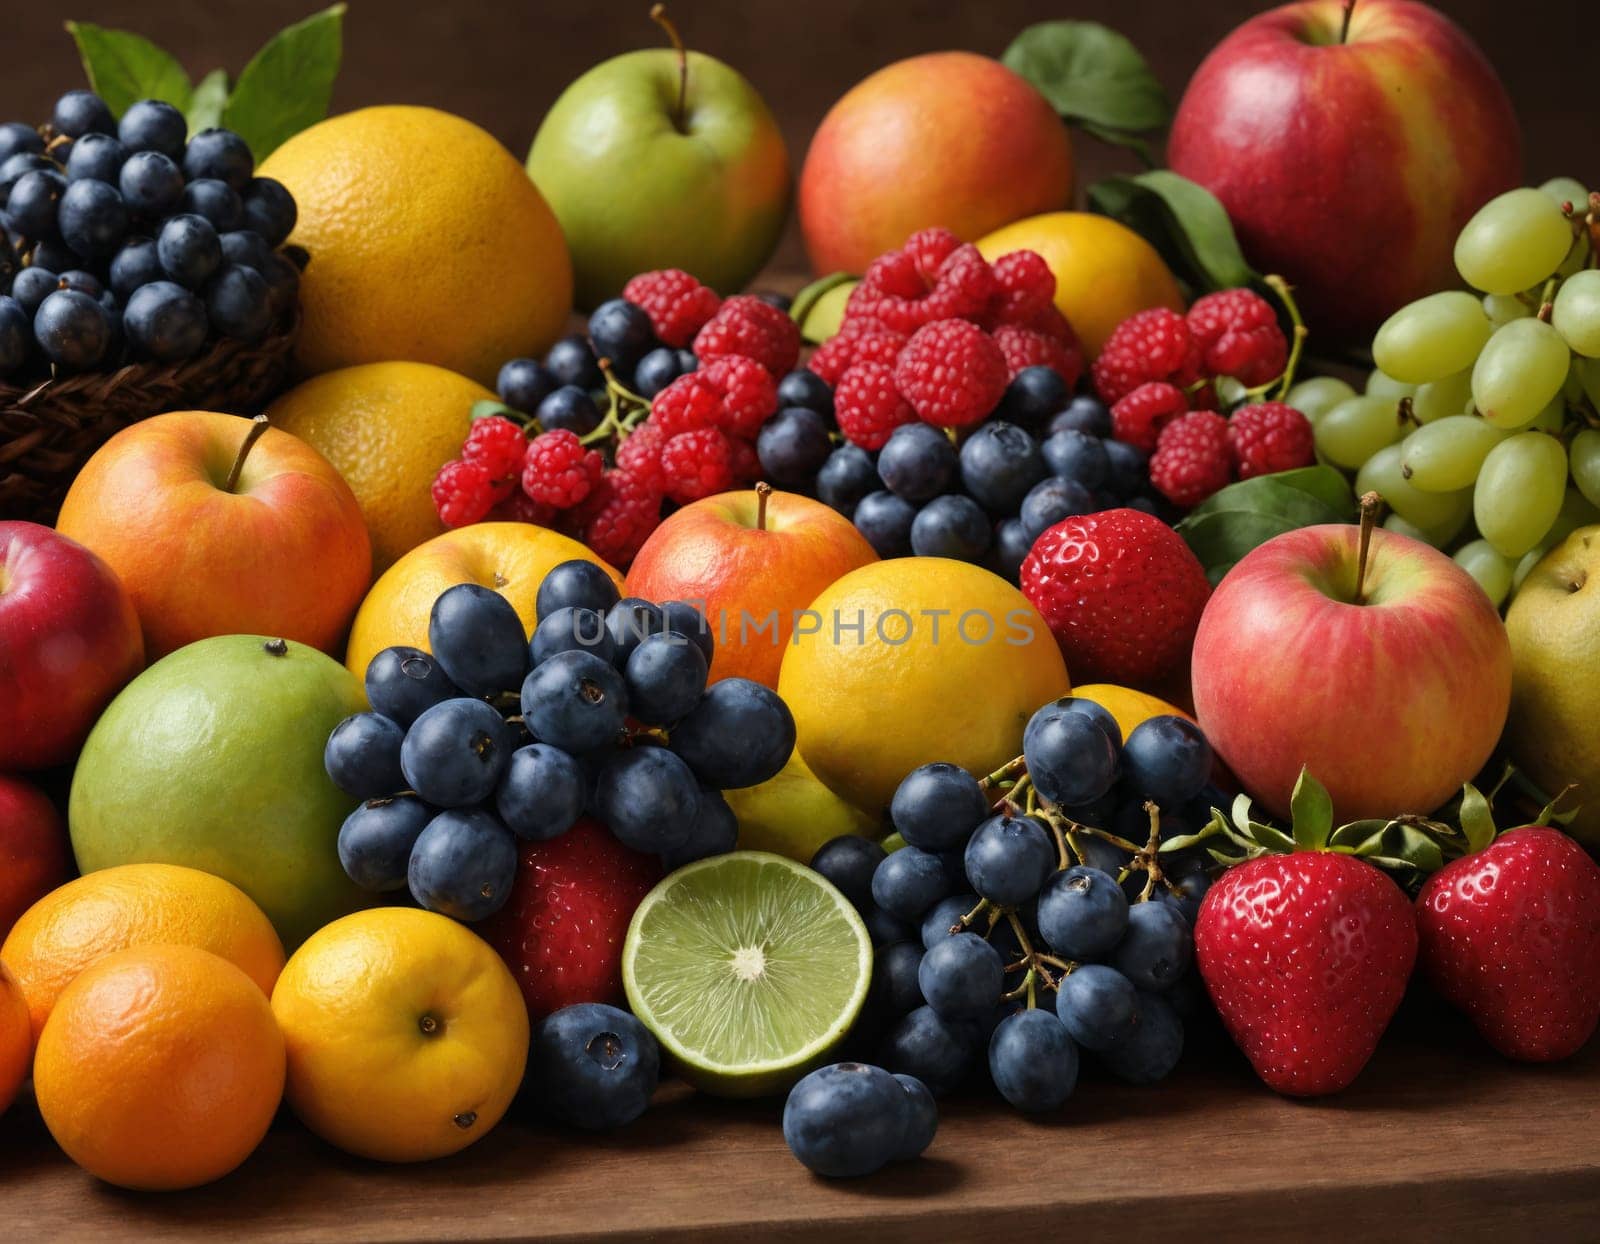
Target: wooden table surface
(1438, 1139)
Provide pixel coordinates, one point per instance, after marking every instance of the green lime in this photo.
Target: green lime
(748, 968)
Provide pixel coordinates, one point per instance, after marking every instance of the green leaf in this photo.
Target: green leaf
(1090, 73)
(1218, 824)
(1182, 220)
(487, 407)
(1243, 516)
(1355, 833)
(1477, 821)
(206, 101)
(1271, 838)
(124, 68)
(1417, 849)
(1311, 812)
(288, 84)
(1241, 810)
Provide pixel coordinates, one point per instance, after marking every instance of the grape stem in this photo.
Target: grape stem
(1369, 517)
(1004, 773)
(616, 423)
(258, 428)
(658, 14)
(1280, 287)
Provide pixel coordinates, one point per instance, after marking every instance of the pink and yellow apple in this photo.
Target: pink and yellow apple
(1349, 142)
(751, 568)
(951, 139)
(1392, 701)
(69, 640)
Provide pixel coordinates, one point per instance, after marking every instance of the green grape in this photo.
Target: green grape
(1445, 455)
(1552, 419)
(1381, 384)
(1356, 429)
(1516, 240)
(1585, 463)
(1587, 374)
(1399, 526)
(1503, 308)
(1524, 365)
(1315, 397)
(1492, 571)
(1525, 566)
(1576, 315)
(1566, 190)
(1519, 492)
(1431, 338)
(1450, 396)
(1431, 511)
(1576, 511)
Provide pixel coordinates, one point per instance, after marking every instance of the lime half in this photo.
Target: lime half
(748, 968)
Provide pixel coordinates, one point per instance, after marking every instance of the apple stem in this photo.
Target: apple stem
(763, 491)
(258, 427)
(658, 14)
(1369, 519)
(1344, 26)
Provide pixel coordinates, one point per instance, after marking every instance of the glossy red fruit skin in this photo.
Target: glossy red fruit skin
(1306, 957)
(561, 931)
(1511, 936)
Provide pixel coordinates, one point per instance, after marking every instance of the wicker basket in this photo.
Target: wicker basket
(48, 431)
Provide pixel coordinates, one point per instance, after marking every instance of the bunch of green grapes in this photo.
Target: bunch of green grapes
(1480, 425)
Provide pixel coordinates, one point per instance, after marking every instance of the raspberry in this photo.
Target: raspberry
(758, 330)
(689, 402)
(749, 394)
(1270, 437)
(1026, 286)
(833, 356)
(559, 471)
(521, 508)
(862, 340)
(1192, 459)
(1026, 347)
(1238, 336)
(462, 493)
(928, 249)
(497, 445)
(1139, 417)
(1122, 594)
(868, 406)
(1050, 322)
(743, 461)
(618, 515)
(1152, 345)
(898, 292)
(952, 373)
(640, 451)
(697, 464)
(677, 304)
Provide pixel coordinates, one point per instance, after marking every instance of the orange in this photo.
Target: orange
(387, 428)
(161, 1067)
(407, 1034)
(428, 242)
(512, 558)
(16, 1038)
(1128, 706)
(1104, 271)
(135, 905)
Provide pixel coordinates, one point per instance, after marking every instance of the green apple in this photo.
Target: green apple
(212, 758)
(652, 161)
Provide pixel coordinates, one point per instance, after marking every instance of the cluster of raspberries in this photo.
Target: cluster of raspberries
(936, 332)
(1157, 373)
(698, 439)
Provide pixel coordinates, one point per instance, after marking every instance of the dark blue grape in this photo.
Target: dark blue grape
(849, 862)
(455, 752)
(1157, 947)
(621, 332)
(15, 335)
(1083, 414)
(136, 264)
(541, 792)
(362, 756)
(885, 521)
(917, 462)
(1153, 1048)
(846, 1120)
(571, 630)
(683, 617)
(579, 584)
(32, 286)
(999, 464)
(961, 976)
(463, 865)
(951, 526)
(269, 209)
(1008, 859)
(221, 155)
(572, 362)
(217, 201)
(1098, 1005)
(94, 219)
(97, 156)
(15, 167)
(937, 806)
(55, 255)
(1034, 394)
(283, 282)
(73, 329)
(908, 882)
(895, 985)
(1188, 890)
(739, 734)
(806, 388)
(569, 408)
(522, 384)
(477, 637)
(1033, 1061)
(238, 303)
(943, 917)
(1167, 759)
(402, 683)
(846, 477)
(19, 139)
(1127, 469)
(189, 249)
(151, 184)
(793, 445)
(593, 1066)
(83, 282)
(665, 677)
(1077, 456)
(1050, 501)
(922, 1119)
(1012, 544)
(1082, 913)
(715, 832)
(648, 798)
(153, 125)
(35, 203)
(886, 928)
(656, 370)
(247, 248)
(1070, 758)
(936, 1051)
(376, 839)
(575, 701)
(78, 113)
(1096, 713)
(631, 620)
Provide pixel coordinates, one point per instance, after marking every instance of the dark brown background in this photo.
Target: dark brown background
(502, 64)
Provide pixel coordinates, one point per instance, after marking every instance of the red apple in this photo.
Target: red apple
(1392, 693)
(218, 526)
(34, 854)
(1349, 156)
(951, 139)
(752, 567)
(69, 640)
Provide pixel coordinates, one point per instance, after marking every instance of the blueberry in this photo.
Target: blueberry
(682, 617)
(1070, 758)
(715, 832)
(917, 462)
(477, 637)
(99, 157)
(849, 862)
(362, 756)
(630, 621)
(522, 384)
(1167, 759)
(1108, 858)
(376, 839)
(885, 521)
(403, 682)
(136, 264)
(568, 407)
(541, 793)
(1034, 394)
(572, 362)
(943, 917)
(648, 798)
(1188, 889)
(774, 298)
(846, 1120)
(239, 304)
(245, 247)
(575, 701)
(1051, 500)
(15, 335)
(951, 526)
(32, 286)
(806, 388)
(152, 125)
(14, 168)
(579, 584)
(885, 928)
(35, 203)
(665, 677)
(283, 283)
(1033, 1061)
(94, 219)
(909, 882)
(269, 209)
(217, 201)
(1083, 414)
(1157, 947)
(936, 1051)
(78, 113)
(621, 333)
(793, 445)
(937, 806)
(961, 977)
(1127, 469)
(165, 322)
(463, 865)
(1008, 859)
(571, 630)
(1098, 1005)
(593, 1066)
(894, 979)
(73, 329)
(19, 139)
(846, 477)
(656, 370)
(1152, 1049)
(1096, 713)
(455, 752)
(151, 184)
(999, 463)
(739, 734)
(1011, 547)
(687, 362)
(221, 155)
(1082, 913)
(922, 1120)
(1077, 456)
(83, 282)
(189, 249)
(55, 255)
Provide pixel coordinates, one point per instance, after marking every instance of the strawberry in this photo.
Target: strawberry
(1511, 935)
(1306, 957)
(561, 930)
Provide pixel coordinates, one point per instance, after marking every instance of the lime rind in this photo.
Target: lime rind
(748, 968)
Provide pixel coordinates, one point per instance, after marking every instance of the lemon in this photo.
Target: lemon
(793, 813)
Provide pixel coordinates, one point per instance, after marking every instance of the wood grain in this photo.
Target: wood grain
(1438, 1140)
